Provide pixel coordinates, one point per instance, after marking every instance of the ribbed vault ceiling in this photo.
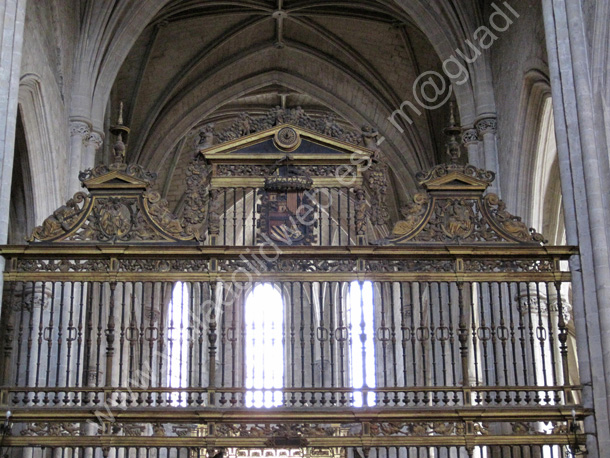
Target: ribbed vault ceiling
(208, 61)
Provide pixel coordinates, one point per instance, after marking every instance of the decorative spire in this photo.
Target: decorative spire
(121, 132)
(453, 133)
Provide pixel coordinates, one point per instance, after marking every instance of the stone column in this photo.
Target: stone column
(583, 171)
(12, 19)
(79, 135)
(487, 128)
(93, 142)
(470, 139)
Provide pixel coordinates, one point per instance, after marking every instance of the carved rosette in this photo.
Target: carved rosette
(454, 210)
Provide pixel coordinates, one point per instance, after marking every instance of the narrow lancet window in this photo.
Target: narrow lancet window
(177, 332)
(264, 319)
(360, 303)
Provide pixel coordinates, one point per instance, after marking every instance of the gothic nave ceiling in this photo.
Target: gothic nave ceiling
(201, 62)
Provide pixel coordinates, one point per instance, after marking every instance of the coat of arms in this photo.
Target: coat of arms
(288, 212)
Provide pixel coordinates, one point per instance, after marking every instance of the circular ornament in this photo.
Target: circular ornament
(287, 139)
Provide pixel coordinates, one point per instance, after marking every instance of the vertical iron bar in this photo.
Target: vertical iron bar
(562, 336)
(100, 288)
(474, 332)
(312, 335)
(50, 329)
(223, 345)
(339, 225)
(122, 335)
(463, 336)
(549, 315)
(320, 221)
(493, 334)
(243, 216)
(224, 216)
(443, 336)
(110, 335)
(321, 330)
(432, 328)
(421, 336)
(212, 337)
(482, 327)
(254, 200)
(341, 336)
(30, 333)
(12, 309)
(234, 212)
(513, 340)
(60, 325)
(504, 337)
(161, 344)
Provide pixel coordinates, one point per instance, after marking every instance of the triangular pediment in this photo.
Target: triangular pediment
(115, 179)
(456, 181)
(284, 139)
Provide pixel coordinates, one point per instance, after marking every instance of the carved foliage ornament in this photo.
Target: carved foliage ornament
(453, 210)
(246, 125)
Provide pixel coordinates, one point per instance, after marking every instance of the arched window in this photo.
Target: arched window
(177, 337)
(362, 348)
(264, 359)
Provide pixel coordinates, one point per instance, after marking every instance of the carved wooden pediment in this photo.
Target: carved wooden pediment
(275, 142)
(120, 207)
(453, 209)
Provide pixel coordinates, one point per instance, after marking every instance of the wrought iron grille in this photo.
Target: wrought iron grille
(127, 330)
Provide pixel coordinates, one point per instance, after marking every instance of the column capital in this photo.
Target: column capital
(470, 136)
(536, 302)
(94, 139)
(79, 128)
(488, 125)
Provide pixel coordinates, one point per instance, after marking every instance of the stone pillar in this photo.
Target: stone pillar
(487, 128)
(79, 135)
(583, 171)
(12, 19)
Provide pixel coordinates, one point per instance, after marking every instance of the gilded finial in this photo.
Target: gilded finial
(453, 134)
(120, 120)
(121, 132)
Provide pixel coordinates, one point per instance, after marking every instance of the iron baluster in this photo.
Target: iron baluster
(212, 341)
(110, 336)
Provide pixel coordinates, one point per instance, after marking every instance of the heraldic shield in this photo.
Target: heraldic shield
(288, 217)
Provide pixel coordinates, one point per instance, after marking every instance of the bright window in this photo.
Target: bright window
(264, 317)
(177, 333)
(360, 303)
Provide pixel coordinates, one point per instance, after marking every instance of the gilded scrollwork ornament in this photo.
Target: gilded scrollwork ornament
(122, 207)
(453, 210)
